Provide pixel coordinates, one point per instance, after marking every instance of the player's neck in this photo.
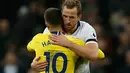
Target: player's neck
(71, 31)
(56, 29)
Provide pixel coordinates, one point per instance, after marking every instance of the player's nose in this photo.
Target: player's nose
(67, 21)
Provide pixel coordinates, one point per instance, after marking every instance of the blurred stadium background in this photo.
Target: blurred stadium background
(20, 20)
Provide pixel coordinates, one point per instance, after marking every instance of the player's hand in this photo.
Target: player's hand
(38, 66)
(59, 40)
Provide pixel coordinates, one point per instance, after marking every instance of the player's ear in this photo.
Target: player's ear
(47, 25)
(80, 16)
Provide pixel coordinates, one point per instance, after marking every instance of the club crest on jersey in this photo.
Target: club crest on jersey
(93, 35)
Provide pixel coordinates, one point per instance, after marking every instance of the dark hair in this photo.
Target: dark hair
(53, 16)
(73, 3)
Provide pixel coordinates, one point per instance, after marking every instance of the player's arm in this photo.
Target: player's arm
(90, 50)
(100, 52)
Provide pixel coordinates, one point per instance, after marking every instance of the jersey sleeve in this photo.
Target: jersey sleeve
(101, 55)
(46, 30)
(32, 44)
(92, 38)
(91, 35)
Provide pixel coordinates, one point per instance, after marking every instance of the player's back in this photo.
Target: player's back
(60, 59)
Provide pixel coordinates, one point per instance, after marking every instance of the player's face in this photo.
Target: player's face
(70, 18)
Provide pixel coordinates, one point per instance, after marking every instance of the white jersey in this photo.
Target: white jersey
(86, 33)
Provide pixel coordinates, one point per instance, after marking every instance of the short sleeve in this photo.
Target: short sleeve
(91, 35)
(33, 43)
(31, 46)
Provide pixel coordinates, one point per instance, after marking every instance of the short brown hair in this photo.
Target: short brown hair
(53, 16)
(73, 3)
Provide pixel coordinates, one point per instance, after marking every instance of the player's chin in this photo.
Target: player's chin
(68, 28)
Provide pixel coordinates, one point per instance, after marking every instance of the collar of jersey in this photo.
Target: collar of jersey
(78, 24)
(57, 32)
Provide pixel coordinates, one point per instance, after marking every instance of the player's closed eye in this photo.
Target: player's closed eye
(65, 16)
(71, 17)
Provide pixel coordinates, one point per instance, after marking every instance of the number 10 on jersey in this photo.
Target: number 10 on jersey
(59, 54)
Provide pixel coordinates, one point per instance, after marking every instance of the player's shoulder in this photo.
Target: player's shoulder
(40, 35)
(85, 26)
(83, 23)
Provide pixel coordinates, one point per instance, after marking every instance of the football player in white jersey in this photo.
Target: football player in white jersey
(71, 11)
